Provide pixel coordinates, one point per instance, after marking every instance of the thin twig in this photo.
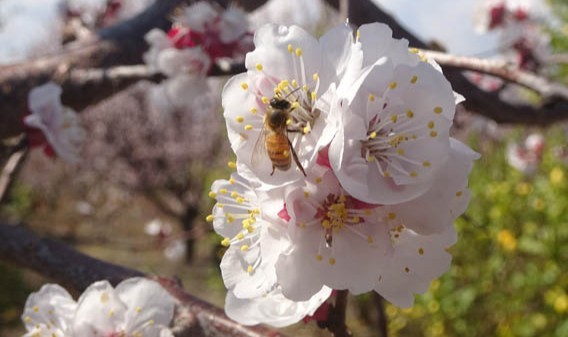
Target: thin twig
(382, 319)
(503, 70)
(336, 320)
(10, 171)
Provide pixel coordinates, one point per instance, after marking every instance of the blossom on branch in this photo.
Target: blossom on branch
(61, 133)
(136, 307)
(347, 177)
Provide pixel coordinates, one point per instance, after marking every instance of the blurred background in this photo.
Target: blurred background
(139, 196)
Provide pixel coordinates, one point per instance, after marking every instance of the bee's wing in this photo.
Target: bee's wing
(259, 152)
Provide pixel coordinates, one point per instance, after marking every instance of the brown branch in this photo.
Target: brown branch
(121, 44)
(74, 270)
(487, 104)
(503, 70)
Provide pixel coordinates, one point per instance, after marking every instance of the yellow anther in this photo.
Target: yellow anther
(433, 134)
(234, 194)
(35, 309)
(244, 248)
(414, 174)
(357, 34)
(209, 218)
(371, 97)
(409, 114)
(414, 79)
(230, 218)
(318, 180)
(386, 174)
(249, 269)
(372, 135)
(426, 164)
(232, 181)
(138, 309)
(393, 85)
(232, 164)
(319, 257)
(212, 194)
(151, 322)
(306, 129)
(438, 110)
(414, 50)
(277, 91)
(240, 119)
(289, 121)
(265, 100)
(315, 76)
(290, 48)
(295, 105)
(225, 242)
(314, 96)
(244, 86)
(331, 261)
(306, 194)
(298, 52)
(223, 191)
(370, 239)
(253, 110)
(248, 127)
(27, 319)
(111, 313)
(421, 251)
(394, 118)
(392, 216)
(240, 236)
(431, 124)
(240, 200)
(305, 88)
(259, 67)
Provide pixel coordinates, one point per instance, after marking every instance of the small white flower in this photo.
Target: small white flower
(233, 24)
(49, 312)
(254, 243)
(287, 64)
(395, 120)
(137, 306)
(273, 308)
(59, 124)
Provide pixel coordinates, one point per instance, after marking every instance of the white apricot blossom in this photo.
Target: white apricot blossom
(136, 307)
(395, 119)
(59, 124)
(288, 65)
(253, 242)
(49, 312)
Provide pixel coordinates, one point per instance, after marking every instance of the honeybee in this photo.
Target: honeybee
(274, 137)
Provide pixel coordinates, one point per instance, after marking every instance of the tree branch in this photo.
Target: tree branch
(503, 70)
(74, 270)
(121, 44)
(487, 104)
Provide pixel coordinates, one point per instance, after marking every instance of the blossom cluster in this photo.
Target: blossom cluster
(347, 177)
(52, 126)
(136, 307)
(201, 36)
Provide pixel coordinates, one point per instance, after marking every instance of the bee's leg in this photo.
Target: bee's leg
(296, 160)
(273, 169)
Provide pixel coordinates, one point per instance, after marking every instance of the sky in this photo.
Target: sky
(28, 22)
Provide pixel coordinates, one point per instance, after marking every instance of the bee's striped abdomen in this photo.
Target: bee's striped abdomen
(278, 149)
